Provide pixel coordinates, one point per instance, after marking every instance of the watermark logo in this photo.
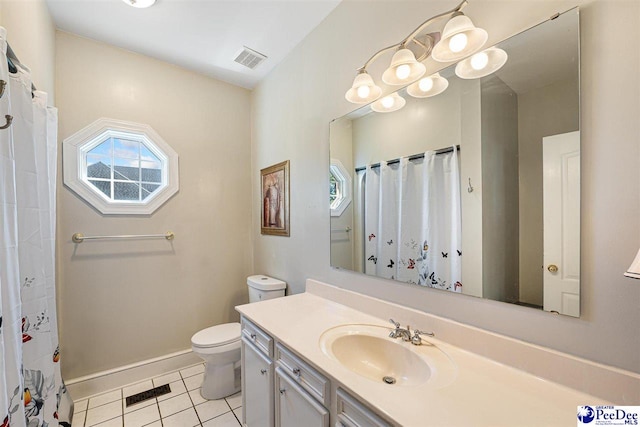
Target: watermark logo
(608, 416)
(586, 414)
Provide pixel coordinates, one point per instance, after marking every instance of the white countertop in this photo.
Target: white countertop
(484, 393)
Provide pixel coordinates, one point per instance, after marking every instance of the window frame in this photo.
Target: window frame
(77, 146)
(343, 186)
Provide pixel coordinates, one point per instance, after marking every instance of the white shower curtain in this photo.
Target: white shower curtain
(412, 226)
(31, 389)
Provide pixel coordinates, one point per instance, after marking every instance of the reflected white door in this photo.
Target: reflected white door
(561, 186)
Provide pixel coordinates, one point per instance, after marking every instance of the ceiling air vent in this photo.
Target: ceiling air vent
(250, 58)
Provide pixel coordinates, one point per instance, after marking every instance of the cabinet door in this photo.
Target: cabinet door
(257, 387)
(296, 407)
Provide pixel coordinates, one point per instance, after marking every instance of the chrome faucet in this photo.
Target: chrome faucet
(398, 332)
(416, 339)
(405, 334)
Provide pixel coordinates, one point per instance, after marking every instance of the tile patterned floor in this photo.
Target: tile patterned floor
(183, 407)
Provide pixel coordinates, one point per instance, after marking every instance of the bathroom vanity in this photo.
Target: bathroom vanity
(297, 369)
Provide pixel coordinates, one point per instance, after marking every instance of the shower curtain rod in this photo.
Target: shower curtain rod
(12, 60)
(414, 157)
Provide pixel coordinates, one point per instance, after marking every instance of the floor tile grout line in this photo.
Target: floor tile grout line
(192, 404)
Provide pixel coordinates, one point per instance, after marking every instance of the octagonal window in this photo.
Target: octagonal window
(120, 167)
(339, 187)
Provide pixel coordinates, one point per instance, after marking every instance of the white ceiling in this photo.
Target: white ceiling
(201, 35)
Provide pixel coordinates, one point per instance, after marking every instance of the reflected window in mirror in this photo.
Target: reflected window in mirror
(339, 187)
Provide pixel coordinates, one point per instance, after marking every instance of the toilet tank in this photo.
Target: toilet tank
(263, 288)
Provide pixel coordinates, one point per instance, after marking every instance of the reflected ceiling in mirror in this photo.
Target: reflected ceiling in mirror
(475, 190)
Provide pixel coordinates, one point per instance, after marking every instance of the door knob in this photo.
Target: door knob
(552, 268)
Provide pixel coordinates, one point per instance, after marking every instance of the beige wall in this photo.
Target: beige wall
(32, 34)
(546, 111)
(122, 302)
(292, 109)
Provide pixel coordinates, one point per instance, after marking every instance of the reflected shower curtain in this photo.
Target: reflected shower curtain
(32, 392)
(412, 221)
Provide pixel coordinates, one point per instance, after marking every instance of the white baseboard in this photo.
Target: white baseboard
(100, 382)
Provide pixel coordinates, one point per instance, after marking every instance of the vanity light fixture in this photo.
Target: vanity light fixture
(389, 103)
(482, 63)
(404, 68)
(634, 270)
(428, 86)
(140, 4)
(363, 90)
(460, 38)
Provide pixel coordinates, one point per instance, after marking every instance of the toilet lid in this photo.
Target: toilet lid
(217, 335)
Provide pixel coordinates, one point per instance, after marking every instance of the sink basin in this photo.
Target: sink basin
(368, 351)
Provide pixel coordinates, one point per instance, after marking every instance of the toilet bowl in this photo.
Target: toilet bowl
(219, 346)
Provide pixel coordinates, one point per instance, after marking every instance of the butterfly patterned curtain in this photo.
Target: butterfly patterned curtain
(32, 392)
(412, 225)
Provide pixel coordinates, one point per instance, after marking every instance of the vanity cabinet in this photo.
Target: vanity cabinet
(281, 389)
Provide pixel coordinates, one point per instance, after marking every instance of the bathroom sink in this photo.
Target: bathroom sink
(368, 351)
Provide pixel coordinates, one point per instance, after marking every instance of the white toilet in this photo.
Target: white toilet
(219, 346)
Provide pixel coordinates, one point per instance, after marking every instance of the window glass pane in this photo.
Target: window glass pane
(98, 167)
(125, 148)
(333, 188)
(126, 191)
(103, 149)
(103, 186)
(146, 154)
(147, 189)
(126, 169)
(151, 172)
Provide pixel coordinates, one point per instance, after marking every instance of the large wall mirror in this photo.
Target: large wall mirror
(475, 190)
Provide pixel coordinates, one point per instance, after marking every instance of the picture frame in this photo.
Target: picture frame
(274, 185)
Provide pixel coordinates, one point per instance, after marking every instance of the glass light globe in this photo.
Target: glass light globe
(363, 91)
(479, 61)
(140, 4)
(458, 42)
(426, 84)
(387, 101)
(403, 71)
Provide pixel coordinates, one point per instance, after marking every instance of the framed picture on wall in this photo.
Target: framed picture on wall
(275, 199)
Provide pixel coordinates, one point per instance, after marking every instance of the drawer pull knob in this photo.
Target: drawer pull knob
(263, 371)
(253, 336)
(296, 372)
(282, 390)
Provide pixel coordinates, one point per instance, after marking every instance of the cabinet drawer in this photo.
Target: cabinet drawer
(258, 337)
(308, 378)
(352, 413)
(295, 407)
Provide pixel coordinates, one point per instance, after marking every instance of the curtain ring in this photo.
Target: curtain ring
(2, 86)
(9, 120)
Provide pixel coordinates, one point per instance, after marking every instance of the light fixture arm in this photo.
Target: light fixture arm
(376, 55)
(411, 37)
(429, 21)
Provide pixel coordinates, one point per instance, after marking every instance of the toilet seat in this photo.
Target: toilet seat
(217, 336)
